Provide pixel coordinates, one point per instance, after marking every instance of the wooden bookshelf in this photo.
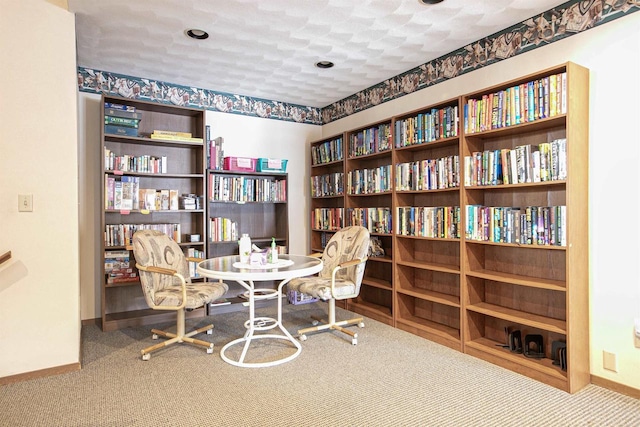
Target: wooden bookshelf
(463, 287)
(426, 217)
(123, 303)
(539, 287)
(368, 202)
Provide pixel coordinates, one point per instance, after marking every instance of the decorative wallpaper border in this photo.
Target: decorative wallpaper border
(572, 17)
(96, 81)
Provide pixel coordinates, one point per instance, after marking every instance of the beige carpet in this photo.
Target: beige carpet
(391, 378)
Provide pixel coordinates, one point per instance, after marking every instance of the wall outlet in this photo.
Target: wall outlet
(609, 361)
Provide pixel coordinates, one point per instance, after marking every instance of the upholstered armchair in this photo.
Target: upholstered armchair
(164, 275)
(343, 259)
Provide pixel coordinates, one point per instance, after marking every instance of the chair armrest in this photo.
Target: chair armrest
(168, 272)
(316, 255)
(193, 259)
(339, 267)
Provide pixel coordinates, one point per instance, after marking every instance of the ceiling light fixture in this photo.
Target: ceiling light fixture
(197, 34)
(324, 64)
(429, 2)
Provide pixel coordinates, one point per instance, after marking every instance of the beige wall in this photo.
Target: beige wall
(39, 301)
(612, 53)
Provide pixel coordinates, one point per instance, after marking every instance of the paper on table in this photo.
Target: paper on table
(281, 263)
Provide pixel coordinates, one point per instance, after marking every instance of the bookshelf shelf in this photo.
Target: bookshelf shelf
(498, 241)
(136, 161)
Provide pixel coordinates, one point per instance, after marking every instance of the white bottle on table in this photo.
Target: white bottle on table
(273, 252)
(245, 248)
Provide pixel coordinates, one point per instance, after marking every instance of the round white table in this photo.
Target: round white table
(287, 268)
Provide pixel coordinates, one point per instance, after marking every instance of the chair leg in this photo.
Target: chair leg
(332, 324)
(179, 337)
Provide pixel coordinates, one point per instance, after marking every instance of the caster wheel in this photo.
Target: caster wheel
(354, 341)
(146, 356)
(303, 337)
(314, 322)
(209, 331)
(210, 350)
(154, 336)
(361, 325)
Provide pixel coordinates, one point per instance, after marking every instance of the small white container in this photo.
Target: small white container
(245, 248)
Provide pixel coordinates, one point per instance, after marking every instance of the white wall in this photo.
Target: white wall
(612, 53)
(39, 301)
(243, 137)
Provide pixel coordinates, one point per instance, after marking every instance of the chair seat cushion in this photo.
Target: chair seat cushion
(319, 287)
(198, 294)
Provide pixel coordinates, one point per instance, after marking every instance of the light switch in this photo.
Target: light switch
(25, 202)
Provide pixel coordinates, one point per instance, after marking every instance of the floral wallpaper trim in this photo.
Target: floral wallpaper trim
(97, 81)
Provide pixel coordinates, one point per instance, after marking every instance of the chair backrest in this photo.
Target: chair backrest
(154, 248)
(345, 245)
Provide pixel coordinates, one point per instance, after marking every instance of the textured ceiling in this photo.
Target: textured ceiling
(267, 49)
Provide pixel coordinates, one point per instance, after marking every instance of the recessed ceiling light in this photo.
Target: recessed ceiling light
(324, 64)
(428, 2)
(197, 34)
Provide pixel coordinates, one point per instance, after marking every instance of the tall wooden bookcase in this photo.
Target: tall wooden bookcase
(122, 303)
(537, 282)
(426, 233)
(501, 256)
(368, 190)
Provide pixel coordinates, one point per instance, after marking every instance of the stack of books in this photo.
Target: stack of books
(170, 135)
(118, 267)
(121, 119)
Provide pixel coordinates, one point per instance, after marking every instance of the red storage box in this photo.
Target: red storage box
(240, 164)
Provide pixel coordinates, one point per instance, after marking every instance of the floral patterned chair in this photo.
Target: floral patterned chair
(343, 259)
(166, 284)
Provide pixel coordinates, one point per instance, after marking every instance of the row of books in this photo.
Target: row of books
(527, 102)
(124, 193)
(369, 181)
(525, 163)
(121, 119)
(145, 163)
(223, 230)
(429, 221)
(327, 152)
(376, 220)
(331, 184)
(327, 218)
(121, 234)
(171, 135)
(427, 127)
(531, 225)
(246, 189)
(368, 141)
(429, 174)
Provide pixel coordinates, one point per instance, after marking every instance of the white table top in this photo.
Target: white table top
(223, 268)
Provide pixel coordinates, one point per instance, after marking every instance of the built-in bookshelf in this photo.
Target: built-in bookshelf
(487, 246)
(368, 202)
(255, 203)
(427, 174)
(525, 252)
(153, 177)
